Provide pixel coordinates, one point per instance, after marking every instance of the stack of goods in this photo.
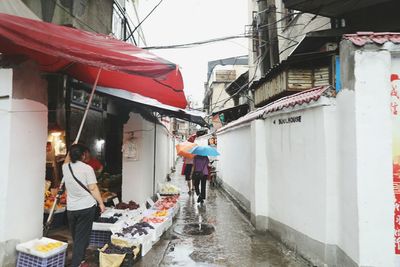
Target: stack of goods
(135, 231)
(166, 203)
(153, 220)
(114, 255)
(169, 189)
(131, 205)
(159, 221)
(141, 233)
(41, 252)
(161, 213)
(107, 220)
(49, 199)
(113, 219)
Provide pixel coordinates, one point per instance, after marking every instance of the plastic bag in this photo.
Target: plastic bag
(110, 260)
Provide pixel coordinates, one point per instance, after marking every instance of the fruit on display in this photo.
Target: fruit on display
(161, 213)
(49, 200)
(107, 220)
(173, 199)
(114, 249)
(113, 219)
(138, 229)
(169, 189)
(48, 247)
(166, 202)
(153, 219)
(131, 205)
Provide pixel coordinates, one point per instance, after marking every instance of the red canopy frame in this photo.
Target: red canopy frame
(81, 54)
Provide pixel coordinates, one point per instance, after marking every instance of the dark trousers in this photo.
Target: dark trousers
(202, 182)
(80, 224)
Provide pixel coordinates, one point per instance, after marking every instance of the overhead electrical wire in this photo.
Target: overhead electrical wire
(154, 8)
(259, 59)
(257, 64)
(213, 40)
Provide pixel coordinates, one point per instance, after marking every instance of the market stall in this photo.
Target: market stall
(129, 227)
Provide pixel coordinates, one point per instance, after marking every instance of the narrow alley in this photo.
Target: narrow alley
(290, 107)
(215, 234)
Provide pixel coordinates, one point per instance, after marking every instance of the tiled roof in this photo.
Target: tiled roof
(362, 38)
(304, 97)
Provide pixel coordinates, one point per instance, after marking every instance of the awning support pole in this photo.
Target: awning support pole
(46, 226)
(154, 156)
(87, 108)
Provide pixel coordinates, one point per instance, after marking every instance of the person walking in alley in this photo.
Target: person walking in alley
(82, 195)
(199, 176)
(188, 173)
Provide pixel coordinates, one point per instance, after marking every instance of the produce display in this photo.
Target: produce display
(153, 219)
(49, 200)
(161, 213)
(166, 203)
(48, 247)
(132, 205)
(139, 226)
(113, 219)
(135, 230)
(169, 189)
(114, 249)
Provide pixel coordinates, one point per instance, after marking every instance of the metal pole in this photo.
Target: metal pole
(46, 227)
(154, 160)
(87, 108)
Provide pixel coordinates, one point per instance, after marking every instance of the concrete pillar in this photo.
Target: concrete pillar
(23, 124)
(374, 158)
(259, 175)
(137, 174)
(366, 228)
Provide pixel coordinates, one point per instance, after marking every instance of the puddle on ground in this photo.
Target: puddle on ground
(194, 229)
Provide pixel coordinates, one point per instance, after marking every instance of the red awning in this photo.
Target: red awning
(80, 54)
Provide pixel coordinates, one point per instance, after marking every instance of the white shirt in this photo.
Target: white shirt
(77, 197)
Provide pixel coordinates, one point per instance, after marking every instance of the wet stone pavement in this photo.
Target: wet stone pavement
(215, 234)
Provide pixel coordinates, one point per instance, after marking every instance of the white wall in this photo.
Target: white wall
(330, 176)
(297, 171)
(23, 124)
(288, 172)
(235, 160)
(259, 175)
(374, 157)
(137, 176)
(163, 166)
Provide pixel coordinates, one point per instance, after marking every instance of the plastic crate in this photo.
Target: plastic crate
(27, 260)
(99, 238)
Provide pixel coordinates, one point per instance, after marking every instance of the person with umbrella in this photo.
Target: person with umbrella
(182, 150)
(200, 169)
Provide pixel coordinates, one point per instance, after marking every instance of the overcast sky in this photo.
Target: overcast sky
(185, 21)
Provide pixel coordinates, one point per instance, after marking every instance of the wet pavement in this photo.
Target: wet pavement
(216, 234)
